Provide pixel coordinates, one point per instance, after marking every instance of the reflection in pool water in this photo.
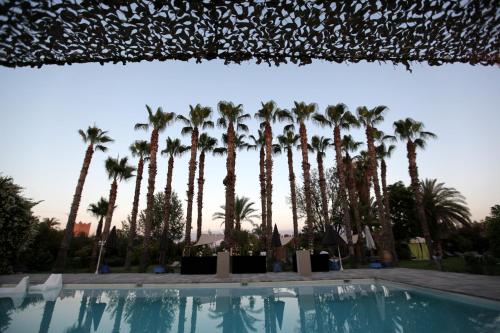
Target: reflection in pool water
(328, 308)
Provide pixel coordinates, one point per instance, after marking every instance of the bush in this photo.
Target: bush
(493, 230)
(479, 264)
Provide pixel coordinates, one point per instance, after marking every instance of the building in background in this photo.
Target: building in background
(81, 228)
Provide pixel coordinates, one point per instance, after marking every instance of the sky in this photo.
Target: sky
(42, 110)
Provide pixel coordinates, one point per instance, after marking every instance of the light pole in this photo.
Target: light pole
(101, 247)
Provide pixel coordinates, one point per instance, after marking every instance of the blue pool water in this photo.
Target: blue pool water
(363, 307)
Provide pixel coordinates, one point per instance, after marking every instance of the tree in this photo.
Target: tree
(206, 144)
(338, 117)
(413, 133)
(99, 210)
(302, 112)
(96, 139)
(140, 149)
(269, 113)
(319, 145)
(288, 140)
(158, 121)
(402, 212)
(370, 118)
(174, 149)
(17, 223)
(231, 118)
(493, 230)
(243, 212)
(198, 117)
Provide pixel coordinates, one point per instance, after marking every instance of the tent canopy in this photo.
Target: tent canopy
(206, 239)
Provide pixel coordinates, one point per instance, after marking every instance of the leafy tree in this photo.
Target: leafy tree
(96, 139)
(17, 223)
(402, 212)
(493, 230)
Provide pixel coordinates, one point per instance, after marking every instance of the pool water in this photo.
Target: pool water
(363, 307)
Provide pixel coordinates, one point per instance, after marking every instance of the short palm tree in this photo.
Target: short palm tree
(243, 212)
(269, 113)
(301, 113)
(338, 117)
(370, 118)
(231, 118)
(288, 140)
(206, 145)
(320, 145)
(96, 139)
(198, 117)
(158, 121)
(412, 132)
(99, 210)
(445, 210)
(51, 222)
(140, 149)
(349, 145)
(174, 149)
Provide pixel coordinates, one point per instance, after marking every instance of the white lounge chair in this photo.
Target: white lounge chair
(54, 282)
(17, 293)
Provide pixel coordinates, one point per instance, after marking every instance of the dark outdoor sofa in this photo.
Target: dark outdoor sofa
(199, 265)
(248, 264)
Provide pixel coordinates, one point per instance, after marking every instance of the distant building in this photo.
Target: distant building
(81, 228)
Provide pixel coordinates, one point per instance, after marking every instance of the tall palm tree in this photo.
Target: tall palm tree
(288, 140)
(198, 117)
(141, 149)
(384, 151)
(174, 149)
(158, 121)
(413, 133)
(99, 210)
(349, 145)
(206, 144)
(96, 139)
(243, 212)
(269, 113)
(301, 113)
(370, 118)
(231, 118)
(338, 117)
(319, 145)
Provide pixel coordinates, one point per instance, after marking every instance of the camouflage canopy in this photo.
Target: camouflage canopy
(36, 33)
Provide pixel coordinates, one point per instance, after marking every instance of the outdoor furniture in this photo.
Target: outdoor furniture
(54, 281)
(17, 293)
(198, 265)
(319, 263)
(248, 264)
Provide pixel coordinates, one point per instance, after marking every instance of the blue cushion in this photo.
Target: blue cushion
(159, 270)
(376, 265)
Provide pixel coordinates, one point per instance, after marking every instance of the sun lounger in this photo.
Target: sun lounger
(54, 282)
(17, 293)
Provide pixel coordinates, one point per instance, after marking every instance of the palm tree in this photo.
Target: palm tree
(174, 149)
(199, 117)
(231, 116)
(99, 210)
(158, 121)
(302, 112)
(243, 212)
(413, 133)
(51, 222)
(267, 114)
(384, 151)
(445, 209)
(141, 149)
(319, 145)
(370, 118)
(349, 145)
(338, 117)
(206, 144)
(95, 138)
(287, 141)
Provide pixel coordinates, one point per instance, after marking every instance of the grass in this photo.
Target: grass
(452, 264)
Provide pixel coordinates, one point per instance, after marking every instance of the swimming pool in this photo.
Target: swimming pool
(365, 306)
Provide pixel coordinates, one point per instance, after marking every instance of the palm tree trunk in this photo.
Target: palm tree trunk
(111, 208)
(342, 189)
(307, 184)
(415, 185)
(166, 213)
(372, 170)
(262, 181)
(201, 182)
(293, 195)
(353, 198)
(194, 310)
(190, 191)
(229, 183)
(95, 246)
(322, 188)
(118, 315)
(383, 176)
(68, 232)
(149, 202)
(135, 210)
(268, 135)
(48, 311)
(182, 315)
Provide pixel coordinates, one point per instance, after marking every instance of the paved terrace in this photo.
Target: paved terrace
(468, 284)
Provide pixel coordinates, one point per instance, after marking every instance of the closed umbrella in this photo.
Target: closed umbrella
(333, 239)
(370, 243)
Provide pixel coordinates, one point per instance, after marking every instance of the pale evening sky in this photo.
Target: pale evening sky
(42, 109)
